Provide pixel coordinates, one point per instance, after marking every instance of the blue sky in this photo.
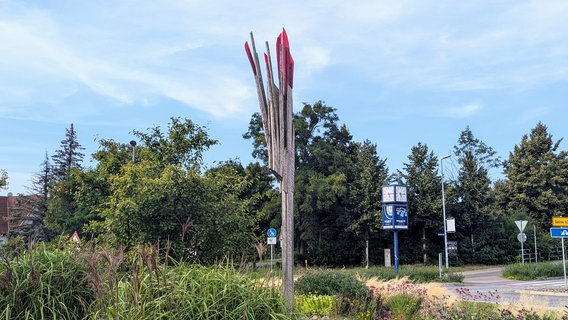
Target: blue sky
(398, 72)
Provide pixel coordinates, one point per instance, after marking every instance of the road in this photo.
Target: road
(488, 285)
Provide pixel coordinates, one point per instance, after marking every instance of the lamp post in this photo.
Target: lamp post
(444, 210)
(133, 144)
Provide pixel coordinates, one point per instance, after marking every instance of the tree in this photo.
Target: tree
(68, 156)
(325, 157)
(183, 144)
(3, 179)
(537, 177)
(365, 192)
(424, 201)
(472, 193)
(28, 219)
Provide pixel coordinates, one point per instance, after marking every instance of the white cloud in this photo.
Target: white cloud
(192, 51)
(313, 58)
(463, 111)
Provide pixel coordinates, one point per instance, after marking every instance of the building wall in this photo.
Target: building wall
(6, 205)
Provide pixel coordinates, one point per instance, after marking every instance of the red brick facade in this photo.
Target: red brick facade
(6, 205)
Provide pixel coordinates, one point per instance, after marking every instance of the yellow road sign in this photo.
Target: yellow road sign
(560, 221)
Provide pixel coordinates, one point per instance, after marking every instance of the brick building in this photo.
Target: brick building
(10, 206)
(7, 205)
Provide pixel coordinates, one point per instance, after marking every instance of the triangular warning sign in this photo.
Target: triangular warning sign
(75, 237)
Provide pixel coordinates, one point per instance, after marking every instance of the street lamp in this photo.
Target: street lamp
(444, 210)
(133, 144)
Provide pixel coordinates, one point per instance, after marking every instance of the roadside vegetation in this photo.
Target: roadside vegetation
(62, 280)
(157, 190)
(533, 271)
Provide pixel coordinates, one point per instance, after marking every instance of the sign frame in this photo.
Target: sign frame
(560, 221)
(559, 232)
(395, 216)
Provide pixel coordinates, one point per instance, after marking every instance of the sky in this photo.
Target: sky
(397, 72)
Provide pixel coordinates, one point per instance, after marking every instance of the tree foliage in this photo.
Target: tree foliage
(537, 177)
(472, 198)
(28, 219)
(425, 204)
(3, 179)
(207, 215)
(68, 156)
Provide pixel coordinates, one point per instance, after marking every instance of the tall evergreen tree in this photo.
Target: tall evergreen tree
(68, 156)
(537, 177)
(424, 200)
(473, 193)
(325, 157)
(365, 193)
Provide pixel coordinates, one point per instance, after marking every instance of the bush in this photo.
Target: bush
(403, 306)
(532, 271)
(419, 274)
(311, 305)
(352, 295)
(196, 292)
(43, 284)
(328, 283)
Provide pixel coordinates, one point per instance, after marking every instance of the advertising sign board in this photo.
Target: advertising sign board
(395, 216)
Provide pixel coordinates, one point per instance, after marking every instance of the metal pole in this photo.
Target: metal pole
(440, 263)
(522, 250)
(133, 144)
(535, 249)
(396, 251)
(444, 211)
(564, 264)
(271, 255)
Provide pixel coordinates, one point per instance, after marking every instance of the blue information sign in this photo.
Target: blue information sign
(395, 216)
(559, 232)
(271, 232)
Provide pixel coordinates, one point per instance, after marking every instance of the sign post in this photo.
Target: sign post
(395, 213)
(561, 232)
(522, 237)
(271, 241)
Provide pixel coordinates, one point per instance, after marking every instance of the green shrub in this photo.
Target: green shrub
(403, 306)
(419, 274)
(329, 283)
(311, 305)
(532, 271)
(45, 284)
(194, 292)
(352, 295)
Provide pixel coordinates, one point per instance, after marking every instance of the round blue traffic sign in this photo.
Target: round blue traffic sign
(271, 232)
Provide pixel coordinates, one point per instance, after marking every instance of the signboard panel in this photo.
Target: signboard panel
(271, 233)
(395, 217)
(559, 232)
(521, 224)
(560, 221)
(452, 246)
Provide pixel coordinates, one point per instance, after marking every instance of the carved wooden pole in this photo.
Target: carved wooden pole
(276, 108)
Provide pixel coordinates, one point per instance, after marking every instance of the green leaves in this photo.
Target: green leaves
(537, 177)
(3, 179)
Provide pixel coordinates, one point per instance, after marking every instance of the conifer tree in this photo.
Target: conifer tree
(473, 196)
(537, 177)
(68, 156)
(424, 200)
